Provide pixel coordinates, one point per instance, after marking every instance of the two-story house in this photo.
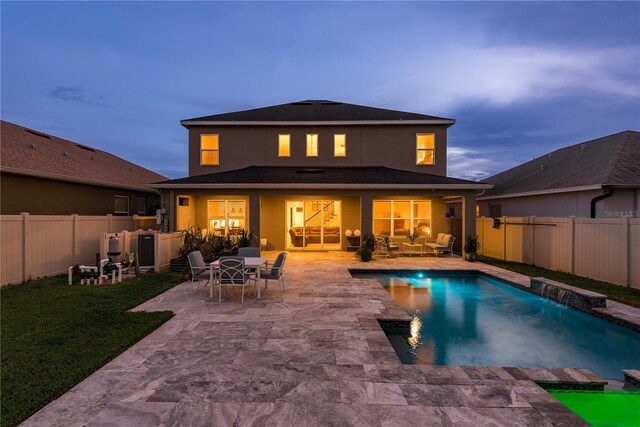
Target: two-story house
(305, 175)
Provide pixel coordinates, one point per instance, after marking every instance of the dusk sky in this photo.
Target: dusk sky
(520, 78)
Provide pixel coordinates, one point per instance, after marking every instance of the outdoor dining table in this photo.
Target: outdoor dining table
(249, 262)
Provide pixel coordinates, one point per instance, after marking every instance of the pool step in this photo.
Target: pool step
(568, 295)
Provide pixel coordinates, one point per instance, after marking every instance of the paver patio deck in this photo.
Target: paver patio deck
(314, 356)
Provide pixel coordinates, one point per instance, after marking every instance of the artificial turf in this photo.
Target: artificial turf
(54, 335)
(618, 293)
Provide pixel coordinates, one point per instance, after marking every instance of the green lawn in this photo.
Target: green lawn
(54, 335)
(618, 293)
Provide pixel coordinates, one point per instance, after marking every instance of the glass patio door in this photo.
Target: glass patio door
(314, 224)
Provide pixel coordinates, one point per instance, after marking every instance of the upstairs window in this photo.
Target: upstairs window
(209, 150)
(339, 145)
(312, 145)
(284, 145)
(425, 148)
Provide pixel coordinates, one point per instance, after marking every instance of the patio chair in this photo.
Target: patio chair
(199, 269)
(385, 247)
(444, 244)
(232, 272)
(274, 272)
(249, 252)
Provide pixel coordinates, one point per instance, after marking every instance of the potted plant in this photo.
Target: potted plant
(471, 246)
(246, 239)
(364, 254)
(413, 237)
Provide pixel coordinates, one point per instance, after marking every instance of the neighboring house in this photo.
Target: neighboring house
(597, 179)
(45, 175)
(305, 174)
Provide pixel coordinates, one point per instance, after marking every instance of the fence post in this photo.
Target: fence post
(109, 223)
(25, 246)
(74, 239)
(626, 261)
(504, 238)
(532, 218)
(156, 252)
(572, 244)
(135, 222)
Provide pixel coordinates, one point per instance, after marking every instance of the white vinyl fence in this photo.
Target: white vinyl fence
(599, 248)
(42, 245)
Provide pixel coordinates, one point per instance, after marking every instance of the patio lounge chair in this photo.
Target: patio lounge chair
(444, 244)
(384, 247)
(274, 272)
(249, 252)
(232, 272)
(199, 269)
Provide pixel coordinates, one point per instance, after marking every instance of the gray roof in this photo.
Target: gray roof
(611, 160)
(315, 110)
(322, 175)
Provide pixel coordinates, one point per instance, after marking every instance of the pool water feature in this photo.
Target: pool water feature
(475, 320)
(603, 408)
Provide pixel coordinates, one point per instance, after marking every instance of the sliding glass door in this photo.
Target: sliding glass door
(314, 224)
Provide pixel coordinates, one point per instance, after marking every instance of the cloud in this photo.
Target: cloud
(72, 95)
(468, 164)
(501, 76)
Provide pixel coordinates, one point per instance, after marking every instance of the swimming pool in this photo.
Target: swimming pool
(474, 320)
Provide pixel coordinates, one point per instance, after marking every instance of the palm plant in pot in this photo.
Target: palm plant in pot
(471, 246)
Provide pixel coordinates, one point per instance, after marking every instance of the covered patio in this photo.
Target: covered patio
(315, 355)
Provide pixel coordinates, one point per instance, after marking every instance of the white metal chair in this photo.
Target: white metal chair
(384, 247)
(232, 272)
(275, 271)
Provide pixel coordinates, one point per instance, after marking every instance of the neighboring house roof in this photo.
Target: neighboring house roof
(29, 152)
(319, 177)
(303, 112)
(613, 160)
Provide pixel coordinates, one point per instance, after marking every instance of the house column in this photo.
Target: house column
(468, 216)
(254, 214)
(366, 213)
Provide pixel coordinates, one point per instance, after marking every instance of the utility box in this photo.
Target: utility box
(146, 250)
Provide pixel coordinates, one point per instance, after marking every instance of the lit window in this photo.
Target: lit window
(209, 150)
(425, 148)
(339, 145)
(121, 205)
(284, 145)
(226, 217)
(400, 217)
(312, 145)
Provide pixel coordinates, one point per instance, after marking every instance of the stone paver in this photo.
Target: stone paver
(314, 356)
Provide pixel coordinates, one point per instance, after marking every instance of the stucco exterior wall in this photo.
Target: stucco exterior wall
(39, 196)
(565, 204)
(391, 146)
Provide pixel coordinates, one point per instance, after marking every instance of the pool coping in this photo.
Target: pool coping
(547, 378)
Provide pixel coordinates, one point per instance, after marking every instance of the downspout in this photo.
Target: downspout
(608, 193)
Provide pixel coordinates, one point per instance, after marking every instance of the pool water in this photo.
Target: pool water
(474, 320)
(603, 408)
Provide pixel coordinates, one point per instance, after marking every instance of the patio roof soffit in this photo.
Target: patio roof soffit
(302, 186)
